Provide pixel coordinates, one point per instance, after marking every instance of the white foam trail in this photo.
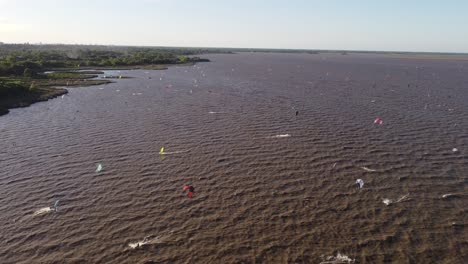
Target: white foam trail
(338, 259)
(44, 210)
(448, 195)
(146, 241)
(280, 136)
(211, 112)
(175, 152)
(367, 169)
(403, 198)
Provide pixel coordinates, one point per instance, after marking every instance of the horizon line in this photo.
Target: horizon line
(241, 48)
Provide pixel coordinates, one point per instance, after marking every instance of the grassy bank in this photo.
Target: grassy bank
(23, 91)
(20, 94)
(23, 67)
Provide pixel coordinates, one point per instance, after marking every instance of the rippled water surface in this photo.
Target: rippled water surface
(272, 143)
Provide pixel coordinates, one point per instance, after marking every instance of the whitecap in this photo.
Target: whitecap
(146, 241)
(280, 136)
(448, 195)
(44, 210)
(339, 258)
(174, 152)
(367, 169)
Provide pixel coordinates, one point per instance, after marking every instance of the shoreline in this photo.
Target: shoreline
(40, 95)
(127, 68)
(51, 88)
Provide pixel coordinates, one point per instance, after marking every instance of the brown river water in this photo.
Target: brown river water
(272, 185)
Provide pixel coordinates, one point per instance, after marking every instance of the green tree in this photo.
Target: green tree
(183, 59)
(28, 73)
(32, 87)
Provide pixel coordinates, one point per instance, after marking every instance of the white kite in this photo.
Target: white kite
(360, 183)
(98, 167)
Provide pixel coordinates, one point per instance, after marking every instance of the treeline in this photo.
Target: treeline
(28, 60)
(12, 88)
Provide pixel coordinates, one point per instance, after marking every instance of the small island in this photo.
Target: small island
(33, 73)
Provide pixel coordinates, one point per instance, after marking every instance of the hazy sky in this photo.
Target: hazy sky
(404, 25)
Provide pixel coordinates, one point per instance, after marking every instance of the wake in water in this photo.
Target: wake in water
(280, 136)
(403, 198)
(41, 211)
(163, 238)
(367, 169)
(211, 112)
(339, 258)
(174, 152)
(47, 210)
(148, 240)
(449, 195)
